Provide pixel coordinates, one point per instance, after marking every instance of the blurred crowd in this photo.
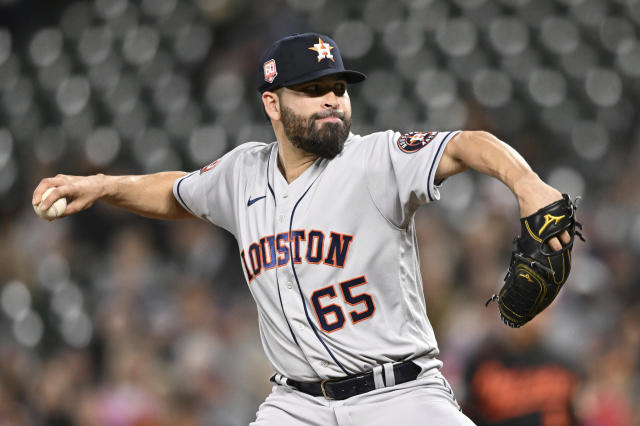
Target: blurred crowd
(111, 319)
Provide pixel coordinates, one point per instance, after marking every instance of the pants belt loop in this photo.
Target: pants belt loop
(377, 376)
(390, 378)
(280, 379)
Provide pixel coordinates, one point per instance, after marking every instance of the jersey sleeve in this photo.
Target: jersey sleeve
(401, 171)
(210, 193)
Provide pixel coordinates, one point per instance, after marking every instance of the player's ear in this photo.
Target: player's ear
(271, 103)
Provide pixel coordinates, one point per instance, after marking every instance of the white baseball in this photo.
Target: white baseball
(56, 209)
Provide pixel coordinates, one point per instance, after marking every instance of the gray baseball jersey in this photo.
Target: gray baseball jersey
(331, 259)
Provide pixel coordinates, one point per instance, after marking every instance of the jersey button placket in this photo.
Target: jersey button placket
(290, 297)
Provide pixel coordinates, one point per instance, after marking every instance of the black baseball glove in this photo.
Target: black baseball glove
(536, 272)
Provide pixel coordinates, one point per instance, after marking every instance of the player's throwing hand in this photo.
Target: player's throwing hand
(80, 191)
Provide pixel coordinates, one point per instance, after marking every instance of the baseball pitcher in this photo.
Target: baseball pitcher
(324, 221)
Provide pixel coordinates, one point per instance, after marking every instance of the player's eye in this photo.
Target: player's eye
(317, 89)
(339, 89)
(312, 90)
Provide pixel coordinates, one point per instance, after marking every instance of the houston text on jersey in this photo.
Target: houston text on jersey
(275, 250)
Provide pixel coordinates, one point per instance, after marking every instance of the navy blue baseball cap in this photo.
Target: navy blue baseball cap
(300, 58)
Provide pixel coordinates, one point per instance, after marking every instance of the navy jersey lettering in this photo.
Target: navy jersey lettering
(250, 276)
(296, 236)
(338, 248)
(315, 245)
(283, 248)
(255, 258)
(278, 250)
(268, 264)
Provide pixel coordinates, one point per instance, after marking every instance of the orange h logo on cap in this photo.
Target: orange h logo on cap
(323, 49)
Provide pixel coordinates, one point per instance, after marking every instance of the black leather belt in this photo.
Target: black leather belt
(340, 389)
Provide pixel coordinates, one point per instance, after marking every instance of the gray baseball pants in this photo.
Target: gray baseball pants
(427, 400)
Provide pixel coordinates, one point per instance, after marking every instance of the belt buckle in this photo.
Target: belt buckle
(324, 392)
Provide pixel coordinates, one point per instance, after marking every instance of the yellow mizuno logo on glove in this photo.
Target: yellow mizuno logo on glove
(527, 277)
(548, 218)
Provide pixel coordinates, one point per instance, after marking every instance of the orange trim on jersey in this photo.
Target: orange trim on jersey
(253, 259)
(250, 276)
(302, 236)
(351, 296)
(319, 248)
(263, 240)
(324, 307)
(283, 250)
(341, 245)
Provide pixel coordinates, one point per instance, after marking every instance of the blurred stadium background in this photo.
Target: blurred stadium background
(111, 319)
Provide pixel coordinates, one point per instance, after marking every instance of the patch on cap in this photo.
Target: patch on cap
(323, 49)
(415, 141)
(270, 72)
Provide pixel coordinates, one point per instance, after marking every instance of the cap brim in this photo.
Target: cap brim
(350, 76)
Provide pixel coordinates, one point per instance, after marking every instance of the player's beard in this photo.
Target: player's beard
(325, 140)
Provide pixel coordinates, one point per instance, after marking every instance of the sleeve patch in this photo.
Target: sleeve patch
(415, 141)
(209, 167)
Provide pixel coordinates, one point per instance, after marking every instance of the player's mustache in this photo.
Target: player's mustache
(328, 113)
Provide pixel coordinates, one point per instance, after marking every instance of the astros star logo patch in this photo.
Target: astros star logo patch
(323, 49)
(414, 141)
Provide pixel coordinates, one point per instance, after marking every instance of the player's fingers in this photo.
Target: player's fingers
(72, 208)
(57, 193)
(44, 184)
(554, 243)
(77, 205)
(565, 238)
(37, 193)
